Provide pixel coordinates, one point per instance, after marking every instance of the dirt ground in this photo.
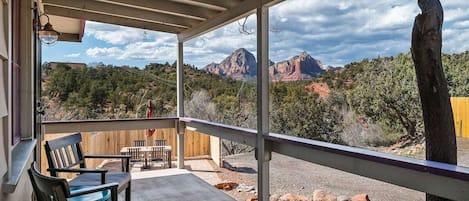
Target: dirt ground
(289, 175)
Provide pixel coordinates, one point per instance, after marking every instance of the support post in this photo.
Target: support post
(180, 105)
(440, 137)
(263, 150)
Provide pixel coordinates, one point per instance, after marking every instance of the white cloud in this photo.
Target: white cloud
(115, 34)
(160, 49)
(335, 31)
(72, 55)
(97, 52)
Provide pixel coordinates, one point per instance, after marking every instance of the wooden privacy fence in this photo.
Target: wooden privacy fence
(111, 142)
(460, 107)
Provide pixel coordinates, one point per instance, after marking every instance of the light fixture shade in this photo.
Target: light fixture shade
(48, 35)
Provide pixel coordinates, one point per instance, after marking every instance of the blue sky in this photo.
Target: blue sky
(336, 32)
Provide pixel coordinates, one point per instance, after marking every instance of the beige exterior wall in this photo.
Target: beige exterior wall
(23, 190)
(215, 150)
(4, 148)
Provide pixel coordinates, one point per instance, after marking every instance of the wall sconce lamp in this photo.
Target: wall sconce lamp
(47, 34)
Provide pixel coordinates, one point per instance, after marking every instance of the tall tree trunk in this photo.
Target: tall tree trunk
(437, 113)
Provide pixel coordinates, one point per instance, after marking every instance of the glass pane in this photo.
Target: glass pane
(112, 74)
(348, 75)
(221, 84)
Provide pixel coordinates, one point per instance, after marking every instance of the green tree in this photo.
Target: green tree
(296, 112)
(386, 92)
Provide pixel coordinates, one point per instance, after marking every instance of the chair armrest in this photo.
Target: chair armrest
(78, 170)
(93, 189)
(125, 165)
(81, 171)
(108, 156)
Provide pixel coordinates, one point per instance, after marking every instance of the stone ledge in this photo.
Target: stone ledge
(20, 156)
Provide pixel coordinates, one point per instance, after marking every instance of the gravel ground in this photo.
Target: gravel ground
(289, 175)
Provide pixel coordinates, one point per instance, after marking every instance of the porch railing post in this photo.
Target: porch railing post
(263, 150)
(180, 129)
(180, 105)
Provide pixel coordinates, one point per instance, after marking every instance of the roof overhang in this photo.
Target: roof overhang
(71, 29)
(186, 18)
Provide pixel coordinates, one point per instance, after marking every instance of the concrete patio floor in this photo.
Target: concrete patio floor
(195, 183)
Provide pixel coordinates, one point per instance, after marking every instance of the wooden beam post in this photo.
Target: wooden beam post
(180, 104)
(263, 150)
(440, 137)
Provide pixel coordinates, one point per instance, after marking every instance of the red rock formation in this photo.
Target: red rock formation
(253, 198)
(320, 195)
(241, 65)
(293, 197)
(320, 88)
(360, 197)
(302, 67)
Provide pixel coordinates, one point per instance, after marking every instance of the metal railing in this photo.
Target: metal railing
(445, 180)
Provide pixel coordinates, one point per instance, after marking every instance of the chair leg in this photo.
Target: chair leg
(127, 192)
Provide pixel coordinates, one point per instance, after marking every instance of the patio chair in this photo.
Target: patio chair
(65, 154)
(139, 143)
(157, 154)
(57, 189)
(160, 142)
(136, 154)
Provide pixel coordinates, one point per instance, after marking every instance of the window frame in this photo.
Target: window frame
(15, 66)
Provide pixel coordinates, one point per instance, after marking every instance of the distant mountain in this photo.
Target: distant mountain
(241, 65)
(301, 67)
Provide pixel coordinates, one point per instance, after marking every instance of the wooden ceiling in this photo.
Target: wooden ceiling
(186, 18)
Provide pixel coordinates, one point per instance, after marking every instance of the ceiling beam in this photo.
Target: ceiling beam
(220, 5)
(242, 9)
(69, 37)
(80, 14)
(123, 11)
(168, 7)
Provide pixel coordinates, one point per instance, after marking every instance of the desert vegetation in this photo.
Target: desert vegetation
(372, 102)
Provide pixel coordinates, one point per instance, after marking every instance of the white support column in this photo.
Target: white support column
(180, 128)
(263, 151)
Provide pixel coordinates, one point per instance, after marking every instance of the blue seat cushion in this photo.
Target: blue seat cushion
(98, 196)
(94, 179)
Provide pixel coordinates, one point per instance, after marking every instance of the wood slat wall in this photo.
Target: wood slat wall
(460, 107)
(196, 144)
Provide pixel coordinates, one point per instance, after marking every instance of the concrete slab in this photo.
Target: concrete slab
(173, 185)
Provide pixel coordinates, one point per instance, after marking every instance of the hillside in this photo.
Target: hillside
(368, 103)
(107, 92)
